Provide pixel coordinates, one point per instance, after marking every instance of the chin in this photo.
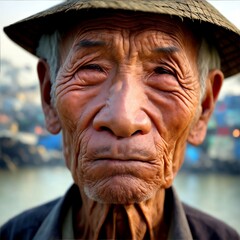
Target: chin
(120, 190)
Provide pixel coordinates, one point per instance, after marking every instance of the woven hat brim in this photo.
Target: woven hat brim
(226, 36)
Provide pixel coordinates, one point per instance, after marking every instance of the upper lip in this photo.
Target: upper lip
(125, 150)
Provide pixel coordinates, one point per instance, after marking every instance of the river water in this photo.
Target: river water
(218, 195)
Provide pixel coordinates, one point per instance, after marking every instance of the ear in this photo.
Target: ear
(213, 86)
(51, 117)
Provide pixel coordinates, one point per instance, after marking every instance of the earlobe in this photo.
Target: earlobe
(197, 133)
(51, 117)
(213, 85)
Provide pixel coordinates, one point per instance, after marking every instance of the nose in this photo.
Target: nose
(123, 114)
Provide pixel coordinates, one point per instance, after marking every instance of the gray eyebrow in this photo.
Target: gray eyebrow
(166, 50)
(90, 43)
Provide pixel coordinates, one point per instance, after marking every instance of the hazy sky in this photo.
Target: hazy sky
(12, 11)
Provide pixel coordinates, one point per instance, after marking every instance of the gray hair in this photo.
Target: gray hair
(208, 59)
(48, 49)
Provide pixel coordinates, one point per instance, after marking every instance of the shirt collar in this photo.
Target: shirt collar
(57, 225)
(179, 228)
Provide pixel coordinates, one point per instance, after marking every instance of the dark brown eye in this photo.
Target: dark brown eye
(160, 70)
(95, 67)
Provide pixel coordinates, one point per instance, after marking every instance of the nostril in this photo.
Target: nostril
(137, 132)
(106, 129)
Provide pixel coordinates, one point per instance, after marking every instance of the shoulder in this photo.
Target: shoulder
(204, 226)
(25, 225)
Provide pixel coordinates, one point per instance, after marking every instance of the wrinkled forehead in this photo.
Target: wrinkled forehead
(143, 25)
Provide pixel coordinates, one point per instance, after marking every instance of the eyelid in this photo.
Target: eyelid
(92, 66)
(164, 70)
(161, 69)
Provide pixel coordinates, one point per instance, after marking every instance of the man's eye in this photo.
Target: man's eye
(95, 67)
(160, 70)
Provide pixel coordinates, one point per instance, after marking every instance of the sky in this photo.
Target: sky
(14, 10)
(10, 12)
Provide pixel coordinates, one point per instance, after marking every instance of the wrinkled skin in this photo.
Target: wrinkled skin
(127, 100)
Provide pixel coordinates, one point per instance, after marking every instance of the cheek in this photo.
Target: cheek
(71, 148)
(71, 107)
(75, 153)
(178, 157)
(178, 122)
(183, 139)
(176, 115)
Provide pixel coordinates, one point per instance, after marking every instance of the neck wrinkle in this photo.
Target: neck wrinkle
(137, 221)
(153, 211)
(91, 218)
(142, 220)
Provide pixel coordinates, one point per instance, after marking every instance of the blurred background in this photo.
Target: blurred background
(32, 169)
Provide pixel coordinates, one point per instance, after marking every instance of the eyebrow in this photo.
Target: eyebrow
(166, 50)
(90, 43)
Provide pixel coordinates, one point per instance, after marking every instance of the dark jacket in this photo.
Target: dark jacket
(45, 222)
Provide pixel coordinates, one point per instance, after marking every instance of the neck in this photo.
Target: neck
(109, 221)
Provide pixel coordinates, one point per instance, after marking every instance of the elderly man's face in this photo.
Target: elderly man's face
(127, 98)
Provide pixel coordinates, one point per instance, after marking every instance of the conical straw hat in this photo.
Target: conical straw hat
(224, 34)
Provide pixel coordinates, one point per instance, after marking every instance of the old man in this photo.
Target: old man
(129, 84)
